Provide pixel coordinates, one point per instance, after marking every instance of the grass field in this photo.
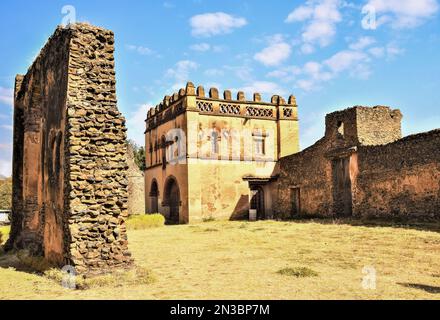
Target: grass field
(263, 260)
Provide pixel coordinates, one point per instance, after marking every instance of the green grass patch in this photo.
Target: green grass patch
(298, 272)
(145, 221)
(208, 219)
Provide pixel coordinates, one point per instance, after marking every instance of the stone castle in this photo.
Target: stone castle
(207, 157)
(361, 167)
(200, 148)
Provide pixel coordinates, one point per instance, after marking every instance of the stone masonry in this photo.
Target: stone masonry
(362, 167)
(70, 188)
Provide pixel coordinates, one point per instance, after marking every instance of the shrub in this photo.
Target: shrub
(1, 237)
(135, 276)
(145, 221)
(208, 219)
(299, 272)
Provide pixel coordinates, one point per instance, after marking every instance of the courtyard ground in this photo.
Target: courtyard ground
(265, 260)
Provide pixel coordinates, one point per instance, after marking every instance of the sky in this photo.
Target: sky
(331, 54)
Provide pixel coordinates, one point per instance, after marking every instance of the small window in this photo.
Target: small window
(259, 146)
(341, 129)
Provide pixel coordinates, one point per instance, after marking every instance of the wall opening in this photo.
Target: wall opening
(295, 202)
(257, 202)
(342, 193)
(172, 201)
(154, 197)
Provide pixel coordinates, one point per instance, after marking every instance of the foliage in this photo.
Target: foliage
(145, 221)
(299, 272)
(138, 154)
(6, 194)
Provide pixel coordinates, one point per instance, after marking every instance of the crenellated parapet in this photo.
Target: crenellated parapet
(193, 99)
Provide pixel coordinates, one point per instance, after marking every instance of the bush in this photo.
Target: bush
(1, 237)
(300, 272)
(145, 221)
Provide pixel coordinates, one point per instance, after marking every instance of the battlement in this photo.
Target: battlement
(196, 100)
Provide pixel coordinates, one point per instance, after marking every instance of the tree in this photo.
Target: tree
(138, 154)
(6, 194)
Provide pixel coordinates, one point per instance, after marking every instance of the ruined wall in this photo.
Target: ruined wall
(362, 168)
(310, 171)
(400, 179)
(136, 185)
(70, 186)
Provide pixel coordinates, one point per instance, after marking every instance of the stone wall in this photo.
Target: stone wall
(400, 179)
(362, 167)
(70, 171)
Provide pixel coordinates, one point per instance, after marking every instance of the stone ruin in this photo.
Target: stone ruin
(70, 184)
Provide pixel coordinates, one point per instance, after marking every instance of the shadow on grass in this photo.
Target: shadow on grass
(424, 287)
(401, 223)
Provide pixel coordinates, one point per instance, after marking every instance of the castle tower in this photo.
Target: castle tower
(201, 146)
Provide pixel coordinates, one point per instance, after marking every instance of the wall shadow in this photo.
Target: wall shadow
(432, 225)
(424, 287)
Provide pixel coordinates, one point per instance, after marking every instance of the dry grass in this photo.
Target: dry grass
(240, 260)
(145, 221)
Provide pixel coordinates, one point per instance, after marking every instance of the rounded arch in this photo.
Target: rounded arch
(172, 200)
(154, 189)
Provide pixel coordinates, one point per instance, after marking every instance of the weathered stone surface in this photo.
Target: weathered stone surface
(70, 180)
(362, 167)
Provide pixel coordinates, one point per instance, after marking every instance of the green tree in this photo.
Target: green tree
(138, 154)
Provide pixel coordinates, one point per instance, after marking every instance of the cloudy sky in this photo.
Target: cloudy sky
(331, 54)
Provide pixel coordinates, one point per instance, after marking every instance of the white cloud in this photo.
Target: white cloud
(277, 52)
(377, 52)
(136, 123)
(307, 48)
(300, 14)
(6, 96)
(321, 16)
(181, 72)
(263, 87)
(211, 24)
(201, 47)
(140, 50)
(345, 60)
(404, 13)
(362, 43)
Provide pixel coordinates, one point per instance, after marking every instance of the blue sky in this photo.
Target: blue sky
(331, 54)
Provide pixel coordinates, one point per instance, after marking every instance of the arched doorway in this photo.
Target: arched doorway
(172, 200)
(257, 202)
(154, 197)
